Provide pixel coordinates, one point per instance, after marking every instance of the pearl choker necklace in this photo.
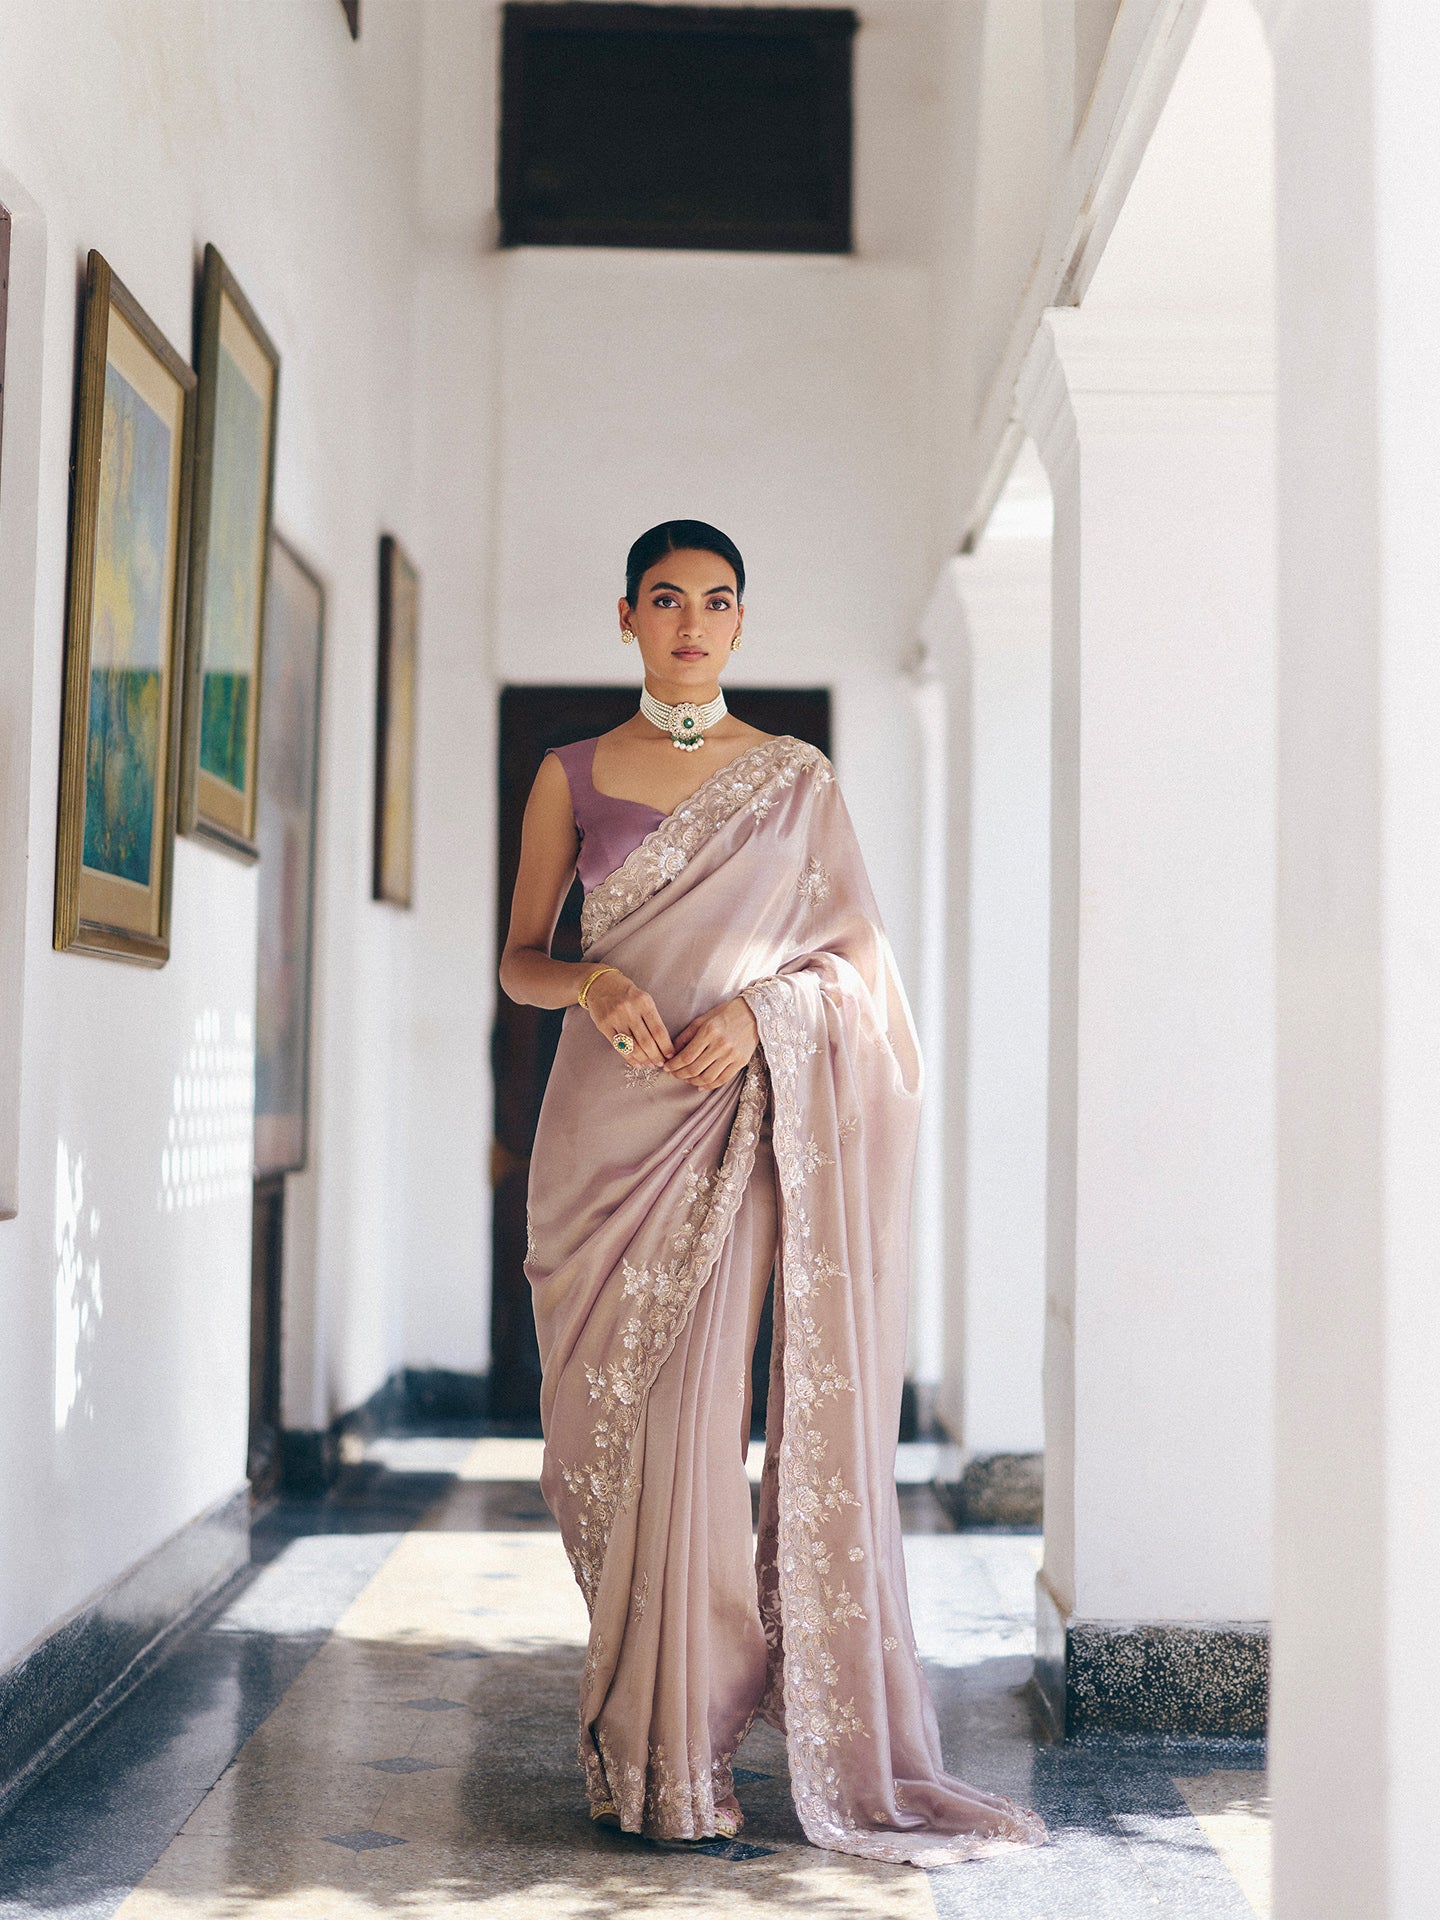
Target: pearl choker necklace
(685, 723)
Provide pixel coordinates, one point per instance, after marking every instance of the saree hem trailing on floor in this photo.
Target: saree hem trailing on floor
(656, 1212)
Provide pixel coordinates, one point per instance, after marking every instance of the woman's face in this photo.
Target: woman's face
(685, 616)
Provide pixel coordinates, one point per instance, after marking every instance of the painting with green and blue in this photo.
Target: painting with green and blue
(231, 626)
(128, 627)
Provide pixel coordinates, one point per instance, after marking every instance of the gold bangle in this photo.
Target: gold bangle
(590, 983)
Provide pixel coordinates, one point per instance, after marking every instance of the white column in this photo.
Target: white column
(928, 1305)
(991, 615)
(1356, 1766)
(1157, 433)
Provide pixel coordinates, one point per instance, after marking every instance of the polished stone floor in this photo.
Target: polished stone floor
(379, 1718)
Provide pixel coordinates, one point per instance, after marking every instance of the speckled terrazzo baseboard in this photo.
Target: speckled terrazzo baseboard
(76, 1674)
(1167, 1679)
(997, 1490)
(1192, 1680)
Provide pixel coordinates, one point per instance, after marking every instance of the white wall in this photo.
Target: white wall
(1198, 228)
(146, 130)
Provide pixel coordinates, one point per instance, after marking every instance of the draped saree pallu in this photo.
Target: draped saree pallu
(656, 1211)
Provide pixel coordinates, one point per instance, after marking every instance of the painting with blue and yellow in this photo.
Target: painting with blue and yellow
(128, 627)
(231, 625)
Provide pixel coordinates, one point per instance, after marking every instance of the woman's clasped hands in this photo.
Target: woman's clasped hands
(708, 1053)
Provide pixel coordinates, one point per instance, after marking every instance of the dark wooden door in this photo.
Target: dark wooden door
(532, 720)
(267, 1247)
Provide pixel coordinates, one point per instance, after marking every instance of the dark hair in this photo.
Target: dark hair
(678, 536)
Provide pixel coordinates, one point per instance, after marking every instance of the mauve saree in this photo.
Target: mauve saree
(656, 1211)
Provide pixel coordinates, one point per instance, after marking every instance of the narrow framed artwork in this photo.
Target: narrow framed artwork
(235, 415)
(395, 726)
(129, 534)
(285, 830)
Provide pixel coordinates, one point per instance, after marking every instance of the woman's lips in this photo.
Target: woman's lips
(687, 653)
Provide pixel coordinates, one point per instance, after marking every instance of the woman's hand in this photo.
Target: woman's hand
(617, 1005)
(715, 1046)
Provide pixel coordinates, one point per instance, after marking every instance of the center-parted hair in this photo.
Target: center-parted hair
(678, 536)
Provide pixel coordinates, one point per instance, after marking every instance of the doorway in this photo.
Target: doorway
(267, 1252)
(532, 720)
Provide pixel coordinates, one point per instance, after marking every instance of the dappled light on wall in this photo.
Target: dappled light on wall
(208, 1146)
(78, 1301)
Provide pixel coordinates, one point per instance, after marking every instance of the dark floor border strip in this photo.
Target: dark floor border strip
(53, 1696)
(432, 1397)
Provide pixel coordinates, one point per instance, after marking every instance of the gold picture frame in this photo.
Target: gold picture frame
(235, 418)
(395, 718)
(129, 540)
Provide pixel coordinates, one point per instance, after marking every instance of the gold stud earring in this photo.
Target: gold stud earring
(626, 635)
(735, 644)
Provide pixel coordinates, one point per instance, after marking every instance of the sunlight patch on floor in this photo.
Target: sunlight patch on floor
(1233, 1812)
(423, 1763)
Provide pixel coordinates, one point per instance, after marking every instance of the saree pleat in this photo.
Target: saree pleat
(656, 1211)
(702, 1674)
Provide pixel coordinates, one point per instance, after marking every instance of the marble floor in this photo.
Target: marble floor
(379, 1718)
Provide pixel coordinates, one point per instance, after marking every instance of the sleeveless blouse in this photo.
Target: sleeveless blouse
(609, 829)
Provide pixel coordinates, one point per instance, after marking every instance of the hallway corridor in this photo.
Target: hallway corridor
(378, 1717)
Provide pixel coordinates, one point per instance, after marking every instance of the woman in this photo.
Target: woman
(736, 1087)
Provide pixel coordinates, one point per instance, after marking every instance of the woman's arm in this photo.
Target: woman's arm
(528, 974)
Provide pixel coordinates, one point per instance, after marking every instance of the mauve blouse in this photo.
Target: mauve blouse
(609, 828)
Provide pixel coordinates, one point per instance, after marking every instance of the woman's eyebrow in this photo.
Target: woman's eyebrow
(668, 586)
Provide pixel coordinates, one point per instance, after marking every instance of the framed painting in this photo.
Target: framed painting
(285, 830)
(239, 377)
(129, 534)
(395, 726)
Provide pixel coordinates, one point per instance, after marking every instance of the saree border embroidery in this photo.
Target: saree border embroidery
(665, 852)
(653, 1797)
(811, 1603)
(804, 1601)
(658, 1799)
(664, 1295)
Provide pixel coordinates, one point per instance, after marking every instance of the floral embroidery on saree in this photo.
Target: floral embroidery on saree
(805, 1607)
(605, 1480)
(758, 775)
(812, 1604)
(657, 1798)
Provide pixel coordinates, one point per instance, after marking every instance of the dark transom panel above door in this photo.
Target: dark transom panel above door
(676, 126)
